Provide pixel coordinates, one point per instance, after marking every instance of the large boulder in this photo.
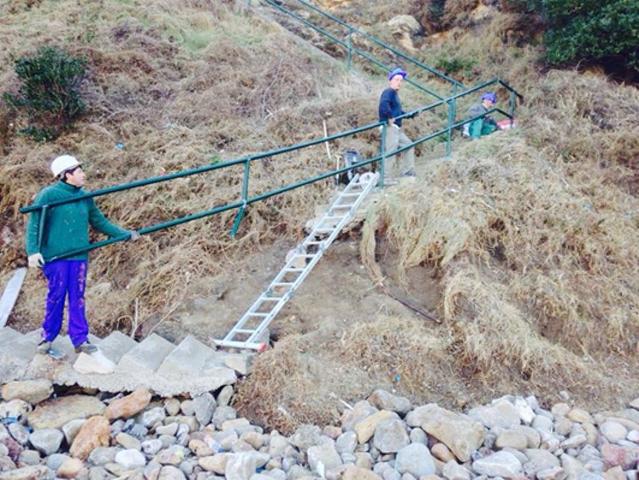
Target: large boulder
(458, 432)
(57, 412)
(32, 391)
(93, 433)
(128, 406)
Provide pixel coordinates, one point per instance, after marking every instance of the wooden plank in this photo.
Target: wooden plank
(10, 294)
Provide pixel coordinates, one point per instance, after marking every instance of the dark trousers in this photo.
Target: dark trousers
(66, 278)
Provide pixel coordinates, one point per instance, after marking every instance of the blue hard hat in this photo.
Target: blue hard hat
(397, 71)
(490, 96)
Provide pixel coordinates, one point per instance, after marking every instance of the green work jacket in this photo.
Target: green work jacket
(66, 226)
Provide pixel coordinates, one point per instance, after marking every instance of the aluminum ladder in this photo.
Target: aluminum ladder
(249, 330)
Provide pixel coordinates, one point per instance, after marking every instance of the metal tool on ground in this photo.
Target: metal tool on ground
(249, 331)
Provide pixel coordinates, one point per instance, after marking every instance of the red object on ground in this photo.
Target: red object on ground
(506, 124)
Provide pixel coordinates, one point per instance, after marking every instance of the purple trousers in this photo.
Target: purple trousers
(65, 278)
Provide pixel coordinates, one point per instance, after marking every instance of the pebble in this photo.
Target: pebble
(130, 459)
(613, 431)
(47, 440)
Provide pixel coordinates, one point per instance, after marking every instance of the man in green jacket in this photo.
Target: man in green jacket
(66, 228)
(484, 125)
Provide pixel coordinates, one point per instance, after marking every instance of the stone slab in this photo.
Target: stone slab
(116, 345)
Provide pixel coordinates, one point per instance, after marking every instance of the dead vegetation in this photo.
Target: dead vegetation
(531, 234)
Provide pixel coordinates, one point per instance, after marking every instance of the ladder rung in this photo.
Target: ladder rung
(272, 299)
(313, 242)
(243, 330)
(237, 344)
(256, 314)
(324, 230)
(350, 194)
(293, 270)
(333, 217)
(343, 206)
(306, 255)
(282, 284)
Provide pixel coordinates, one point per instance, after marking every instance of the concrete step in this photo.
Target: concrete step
(8, 335)
(116, 345)
(145, 357)
(15, 357)
(188, 358)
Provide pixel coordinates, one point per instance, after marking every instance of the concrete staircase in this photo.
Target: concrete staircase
(155, 363)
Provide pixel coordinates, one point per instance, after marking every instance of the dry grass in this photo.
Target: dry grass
(180, 85)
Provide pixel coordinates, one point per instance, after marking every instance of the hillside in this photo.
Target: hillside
(522, 244)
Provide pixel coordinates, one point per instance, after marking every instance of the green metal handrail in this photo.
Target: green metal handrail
(377, 41)
(246, 200)
(350, 49)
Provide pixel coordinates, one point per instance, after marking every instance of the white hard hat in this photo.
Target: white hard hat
(63, 163)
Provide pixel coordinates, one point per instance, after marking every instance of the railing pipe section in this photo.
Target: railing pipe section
(244, 203)
(350, 49)
(378, 42)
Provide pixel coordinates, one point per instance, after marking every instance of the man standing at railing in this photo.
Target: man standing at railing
(390, 108)
(65, 228)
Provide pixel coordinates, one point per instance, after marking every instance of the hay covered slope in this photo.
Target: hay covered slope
(179, 84)
(533, 232)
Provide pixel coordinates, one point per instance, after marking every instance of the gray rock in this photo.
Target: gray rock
(415, 459)
(151, 447)
(390, 436)
(187, 467)
(29, 457)
(613, 431)
(167, 440)
(562, 426)
(46, 441)
(71, 429)
(633, 436)
(359, 412)
(222, 414)
(171, 473)
(346, 442)
(387, 401)
(453, 471)
(306, 436)
(187, 407)
(127, 441)
(526, 413)
(552, 473)
(19, 433)
(172, 406)
(539, 460)
(170, 429)
(512, 439)
(501, 413)
(103, 455)
(204, 406)
(500, 464)
(225, 395)
(152, 417)
(417, 435)
(27, 473)
(240, 466)
(324, 454)
(130, 459)
(542, 423)
(56, 460)
(277, 445)
(574, 441)
(173, 455)
(138, 430)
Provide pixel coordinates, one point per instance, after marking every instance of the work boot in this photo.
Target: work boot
(43, 347)
(86, 347)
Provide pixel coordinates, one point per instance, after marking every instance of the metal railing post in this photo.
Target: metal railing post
(382, 164)
(512, 102)
(349, 57)
(245, 184)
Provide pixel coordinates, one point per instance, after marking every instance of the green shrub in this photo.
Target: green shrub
(455, 65)
(589, 32)
(49, 92)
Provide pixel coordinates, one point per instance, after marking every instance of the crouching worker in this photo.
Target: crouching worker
(484, 125)
(66, 228)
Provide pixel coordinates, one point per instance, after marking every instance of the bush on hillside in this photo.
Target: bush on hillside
(602, 32)
(49, 93)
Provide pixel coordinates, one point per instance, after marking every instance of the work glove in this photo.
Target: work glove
(134, 235)
(35, 260)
